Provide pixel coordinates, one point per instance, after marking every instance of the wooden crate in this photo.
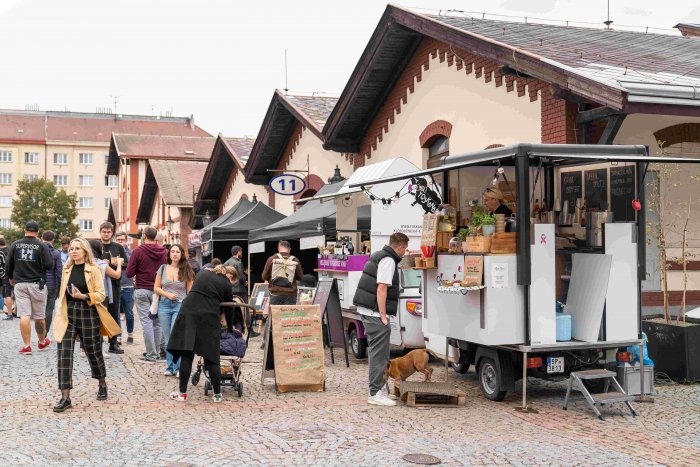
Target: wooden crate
(504, 243)
(443, 240)
(478, 244)
(429, 394)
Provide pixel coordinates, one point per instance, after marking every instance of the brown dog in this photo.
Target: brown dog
(399, 369)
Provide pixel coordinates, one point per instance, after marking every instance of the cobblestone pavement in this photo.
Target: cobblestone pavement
(139, 425)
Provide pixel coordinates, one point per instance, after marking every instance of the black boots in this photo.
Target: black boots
(62, 405)
(102, 393)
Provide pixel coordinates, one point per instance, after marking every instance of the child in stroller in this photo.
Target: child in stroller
(233, 348)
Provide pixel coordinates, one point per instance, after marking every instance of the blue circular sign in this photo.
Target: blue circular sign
(287, 184)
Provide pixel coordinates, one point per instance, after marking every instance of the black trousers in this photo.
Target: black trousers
(113, 307)
(213, 368)
(83, 321)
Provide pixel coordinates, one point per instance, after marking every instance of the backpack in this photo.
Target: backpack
(3, 266)
(284, 267)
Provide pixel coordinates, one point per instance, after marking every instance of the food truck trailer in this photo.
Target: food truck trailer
(393, 208)
(506, 327)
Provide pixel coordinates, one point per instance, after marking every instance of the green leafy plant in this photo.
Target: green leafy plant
(478, 214)
(467, 232)
(488, 219)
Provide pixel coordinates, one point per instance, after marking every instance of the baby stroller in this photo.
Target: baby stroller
(233, 324)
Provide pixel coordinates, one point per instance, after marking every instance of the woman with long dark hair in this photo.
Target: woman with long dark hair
(83, 314)
(173, 282)
(197, 329)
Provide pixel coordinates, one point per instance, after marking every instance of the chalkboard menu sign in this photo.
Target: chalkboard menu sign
(596, 187)
(430, 228)
(622, 192)
(570, 189)
(328, 299)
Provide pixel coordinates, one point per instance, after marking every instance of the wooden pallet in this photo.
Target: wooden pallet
(427, 394)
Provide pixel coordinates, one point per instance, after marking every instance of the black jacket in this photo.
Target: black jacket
(197, 327)
(28, 260)
(366, 294)
(241, 286)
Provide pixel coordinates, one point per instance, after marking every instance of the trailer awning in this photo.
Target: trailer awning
(390, 167)
(554, 153)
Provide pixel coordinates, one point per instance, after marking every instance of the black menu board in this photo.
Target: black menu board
(622, 192)
(596, 184)
(570, 189)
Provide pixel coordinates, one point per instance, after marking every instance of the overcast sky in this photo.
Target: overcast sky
(221, 60)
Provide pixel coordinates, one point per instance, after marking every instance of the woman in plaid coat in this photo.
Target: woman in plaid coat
(83, 314)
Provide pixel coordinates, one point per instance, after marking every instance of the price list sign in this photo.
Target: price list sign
(298, 347)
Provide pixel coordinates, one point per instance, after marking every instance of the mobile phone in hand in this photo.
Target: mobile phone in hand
(74, 290)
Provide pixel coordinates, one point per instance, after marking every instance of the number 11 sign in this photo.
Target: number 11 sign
(287, 184)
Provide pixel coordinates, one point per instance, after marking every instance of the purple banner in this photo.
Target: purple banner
(352, 263)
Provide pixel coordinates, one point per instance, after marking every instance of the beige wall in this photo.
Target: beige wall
(46, 167)
(480, 113)
(239, 188)
(321, 163)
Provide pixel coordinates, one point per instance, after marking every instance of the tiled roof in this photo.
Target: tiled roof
(241, 147)
(316, 108)
(609, 56)
(164, 147)
(178, 180)
(69, 126)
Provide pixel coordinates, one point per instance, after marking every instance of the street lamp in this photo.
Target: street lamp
(206, 219)
(170, 223)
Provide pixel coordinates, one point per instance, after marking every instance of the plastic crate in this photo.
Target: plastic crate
(563, 327)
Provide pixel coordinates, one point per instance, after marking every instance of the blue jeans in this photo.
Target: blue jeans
(126, 301)
(167, 314)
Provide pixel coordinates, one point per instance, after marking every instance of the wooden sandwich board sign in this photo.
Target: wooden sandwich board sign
(328, 298)
(298, 347)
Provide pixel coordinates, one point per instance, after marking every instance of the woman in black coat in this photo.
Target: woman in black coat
(197, 329)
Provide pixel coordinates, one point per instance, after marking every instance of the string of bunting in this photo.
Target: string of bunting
(393, 199)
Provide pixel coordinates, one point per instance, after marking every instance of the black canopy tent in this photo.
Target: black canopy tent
(314, 218)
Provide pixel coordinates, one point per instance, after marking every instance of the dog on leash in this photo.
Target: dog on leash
(400, 369)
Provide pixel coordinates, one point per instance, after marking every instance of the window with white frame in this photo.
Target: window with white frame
(60, 158)
(85, 158)
(85, 180)
(60, 180)
(107, 202)
(5, 201)
(31, 157)
(85, 224)
(111, 181)
(85, 202)
(5, 156)
(5, 223)
(5, 179)
(31, 177)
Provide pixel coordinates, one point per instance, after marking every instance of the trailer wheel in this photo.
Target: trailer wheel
(490, 380)
(358, 345)
(460, 367)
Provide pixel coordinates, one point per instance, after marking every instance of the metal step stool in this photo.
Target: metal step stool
(603, 398)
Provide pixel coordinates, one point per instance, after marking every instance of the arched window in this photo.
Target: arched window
(439, 147)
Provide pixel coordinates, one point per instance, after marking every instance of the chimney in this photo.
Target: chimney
(191, 121)
(688, 29)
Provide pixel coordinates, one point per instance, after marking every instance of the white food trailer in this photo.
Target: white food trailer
(389, 213)
(506, 327)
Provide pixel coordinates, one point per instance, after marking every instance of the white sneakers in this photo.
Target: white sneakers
(178, 396)
(381, 398)
(217, 398)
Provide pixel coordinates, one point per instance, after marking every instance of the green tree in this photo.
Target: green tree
(53, 209)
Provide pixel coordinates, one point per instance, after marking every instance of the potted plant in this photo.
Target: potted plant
(463, 234)
(488, 224)
(674, 341)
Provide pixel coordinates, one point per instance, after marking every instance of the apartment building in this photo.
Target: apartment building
(71, 149)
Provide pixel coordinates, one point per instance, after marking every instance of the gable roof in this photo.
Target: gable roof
(283, 115)
(625, 70)
(37, 126)
(193, 148)
(228, 155)
(176, 182)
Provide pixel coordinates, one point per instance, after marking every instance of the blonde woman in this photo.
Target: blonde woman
(197, 329)
(83, 314)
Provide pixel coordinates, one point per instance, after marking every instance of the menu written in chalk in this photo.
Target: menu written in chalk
(430, 227)
(596, 185)
(570, 189)
(622, 192)
(298, 345)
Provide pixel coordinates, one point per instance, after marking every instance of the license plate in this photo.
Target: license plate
(555, 364)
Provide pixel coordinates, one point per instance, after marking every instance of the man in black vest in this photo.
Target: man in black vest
(377, 298)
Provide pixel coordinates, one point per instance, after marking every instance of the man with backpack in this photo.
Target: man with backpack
(282, 271)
